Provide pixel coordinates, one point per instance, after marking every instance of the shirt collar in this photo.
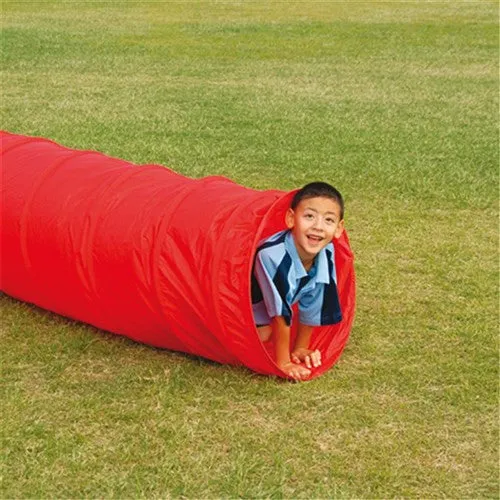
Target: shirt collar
(323, 274)
(321, 262)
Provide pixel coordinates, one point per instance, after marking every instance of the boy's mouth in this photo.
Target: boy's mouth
(314, 239)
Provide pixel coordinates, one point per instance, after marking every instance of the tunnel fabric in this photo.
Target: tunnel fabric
(145, 252)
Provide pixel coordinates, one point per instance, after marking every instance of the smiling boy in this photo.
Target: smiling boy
(298, 265)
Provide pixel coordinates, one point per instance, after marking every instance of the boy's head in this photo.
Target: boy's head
(315, 217)
(318, 190)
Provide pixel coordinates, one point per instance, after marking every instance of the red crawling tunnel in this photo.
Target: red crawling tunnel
(145, 252)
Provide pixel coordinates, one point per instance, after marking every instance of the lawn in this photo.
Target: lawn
(396, 104)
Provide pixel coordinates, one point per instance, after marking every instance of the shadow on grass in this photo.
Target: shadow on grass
(51, 327)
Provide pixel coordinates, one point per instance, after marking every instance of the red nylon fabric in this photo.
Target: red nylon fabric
(145, 252)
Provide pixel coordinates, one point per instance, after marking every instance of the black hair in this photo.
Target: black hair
(321, 190)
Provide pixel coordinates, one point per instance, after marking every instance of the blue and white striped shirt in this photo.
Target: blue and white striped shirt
(280, 280)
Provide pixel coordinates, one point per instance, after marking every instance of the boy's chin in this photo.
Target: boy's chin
(315, 249)
(311, 254)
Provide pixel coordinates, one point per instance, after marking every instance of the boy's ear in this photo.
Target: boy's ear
(289, 218)
(339, 230)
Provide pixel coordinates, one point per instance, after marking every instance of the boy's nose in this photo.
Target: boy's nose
(319, 223)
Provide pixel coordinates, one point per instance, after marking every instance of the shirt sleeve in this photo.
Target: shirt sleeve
(274, 295)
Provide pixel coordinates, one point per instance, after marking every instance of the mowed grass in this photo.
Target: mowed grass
(394, 103)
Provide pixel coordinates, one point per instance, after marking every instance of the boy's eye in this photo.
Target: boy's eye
(308, 216)
(330, 221)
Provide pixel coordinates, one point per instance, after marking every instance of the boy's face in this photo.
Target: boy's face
(314, 223)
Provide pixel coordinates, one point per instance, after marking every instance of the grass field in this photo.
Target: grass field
(394, 103)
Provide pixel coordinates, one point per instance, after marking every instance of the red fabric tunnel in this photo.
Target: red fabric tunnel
(144, 252)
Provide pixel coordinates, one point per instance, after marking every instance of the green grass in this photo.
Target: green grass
(394, 103)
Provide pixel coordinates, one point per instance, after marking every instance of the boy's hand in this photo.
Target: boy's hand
(312, 359)
(297, 372)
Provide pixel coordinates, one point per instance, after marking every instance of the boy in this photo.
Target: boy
(298, 265)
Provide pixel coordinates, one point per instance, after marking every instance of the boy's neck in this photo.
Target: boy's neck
(308, 263)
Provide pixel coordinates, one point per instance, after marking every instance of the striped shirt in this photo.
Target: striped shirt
(280, 280)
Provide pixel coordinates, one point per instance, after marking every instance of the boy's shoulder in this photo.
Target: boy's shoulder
(271, 251)
(274, 240)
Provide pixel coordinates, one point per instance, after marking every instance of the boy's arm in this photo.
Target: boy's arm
(303, 337)
(301, 351)
(281, 332)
